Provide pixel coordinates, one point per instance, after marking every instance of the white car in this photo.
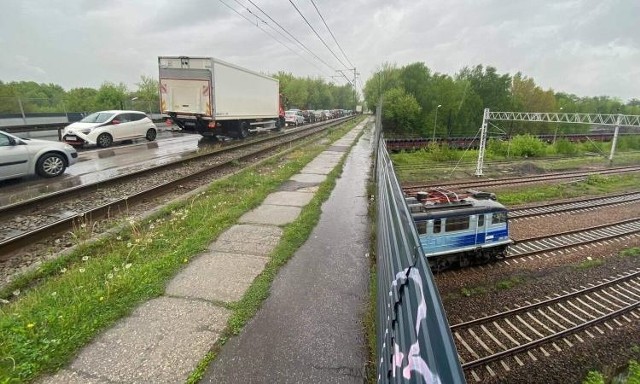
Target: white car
(21, 157)
(103, 128)
(293, 117)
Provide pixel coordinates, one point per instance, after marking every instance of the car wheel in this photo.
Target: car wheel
(104, 140)
(151, 134)
(51, 165)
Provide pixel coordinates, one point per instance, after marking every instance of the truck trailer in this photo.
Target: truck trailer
(213, 98)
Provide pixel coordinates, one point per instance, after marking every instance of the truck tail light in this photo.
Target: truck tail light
(212, 124)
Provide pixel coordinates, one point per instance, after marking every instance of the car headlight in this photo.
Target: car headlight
(86, 130)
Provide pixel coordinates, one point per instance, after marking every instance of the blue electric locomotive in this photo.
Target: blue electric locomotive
(458, 230)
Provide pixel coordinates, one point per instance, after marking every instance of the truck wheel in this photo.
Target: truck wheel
(243, 130)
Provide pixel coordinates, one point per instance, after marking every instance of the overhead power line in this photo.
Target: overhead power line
(321, 39)
(293, 37)
(329, 29)
(273, 37)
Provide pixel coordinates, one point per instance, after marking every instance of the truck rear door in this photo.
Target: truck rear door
(185, 96)
(186, 86)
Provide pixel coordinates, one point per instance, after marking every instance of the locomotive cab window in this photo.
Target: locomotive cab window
(499, 217)
(437, 225)
(480, 220)
(456, 223)
(421, 226)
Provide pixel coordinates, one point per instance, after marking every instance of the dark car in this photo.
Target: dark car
(309, 116)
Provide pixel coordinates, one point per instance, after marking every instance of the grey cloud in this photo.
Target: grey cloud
(587, 47)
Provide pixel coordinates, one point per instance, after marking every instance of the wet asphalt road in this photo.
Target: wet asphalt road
(96, 164)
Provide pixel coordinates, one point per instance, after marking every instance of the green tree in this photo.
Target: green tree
(111, 96)
(147, 95)
(400, 113)
(81, 100)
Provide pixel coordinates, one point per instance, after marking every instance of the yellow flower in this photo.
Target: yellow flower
(31, 325)
(101, 298)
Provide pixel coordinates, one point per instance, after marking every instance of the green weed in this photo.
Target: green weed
(589, 263)
(509, 283)
(630, 252)
(468, 292)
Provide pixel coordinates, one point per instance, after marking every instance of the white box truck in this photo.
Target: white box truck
(211, 97)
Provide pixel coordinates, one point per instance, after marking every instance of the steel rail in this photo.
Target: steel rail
(574, 231)
(78, 190)
(544, 340)
(539, 304)
(574, 205)
(11, 244)
(525, 179)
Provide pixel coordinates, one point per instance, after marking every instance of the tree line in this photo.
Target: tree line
(418, 102)
(32, 97)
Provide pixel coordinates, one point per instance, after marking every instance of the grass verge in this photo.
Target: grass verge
(294, 236)
(57, 309)
(631, 375)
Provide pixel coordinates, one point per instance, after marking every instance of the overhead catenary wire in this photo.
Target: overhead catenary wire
(332, 35)
(273, 37)
(293, 37)
(323, 42)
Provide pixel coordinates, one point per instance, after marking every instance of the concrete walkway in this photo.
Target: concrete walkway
(308, 330)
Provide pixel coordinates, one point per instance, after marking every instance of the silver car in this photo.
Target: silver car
(21, 157)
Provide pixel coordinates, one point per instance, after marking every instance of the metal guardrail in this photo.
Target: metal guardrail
(413, 337)
(44, 121)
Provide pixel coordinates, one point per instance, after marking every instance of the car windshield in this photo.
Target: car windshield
(98, 117)
(290, 113)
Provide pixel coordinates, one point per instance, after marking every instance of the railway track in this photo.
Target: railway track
(461, 185)
(563, 240)
(29, 221)
(573, 206)
(498, 342)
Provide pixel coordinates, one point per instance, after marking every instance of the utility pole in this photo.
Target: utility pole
(615, 138)
(355, 77)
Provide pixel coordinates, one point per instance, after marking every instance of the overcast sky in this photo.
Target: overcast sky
(586, 47)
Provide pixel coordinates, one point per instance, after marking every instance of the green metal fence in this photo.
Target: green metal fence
(414, 341)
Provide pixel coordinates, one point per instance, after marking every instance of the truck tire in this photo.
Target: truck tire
(243, 130)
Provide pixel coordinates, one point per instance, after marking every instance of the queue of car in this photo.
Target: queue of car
(45, 158)
(21, 157)
(295, 117)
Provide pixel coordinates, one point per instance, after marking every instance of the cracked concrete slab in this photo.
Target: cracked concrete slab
(161, 342)
(294, 199)
(308, 178)
(217, 276)
(248, 239)
(271, 215)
